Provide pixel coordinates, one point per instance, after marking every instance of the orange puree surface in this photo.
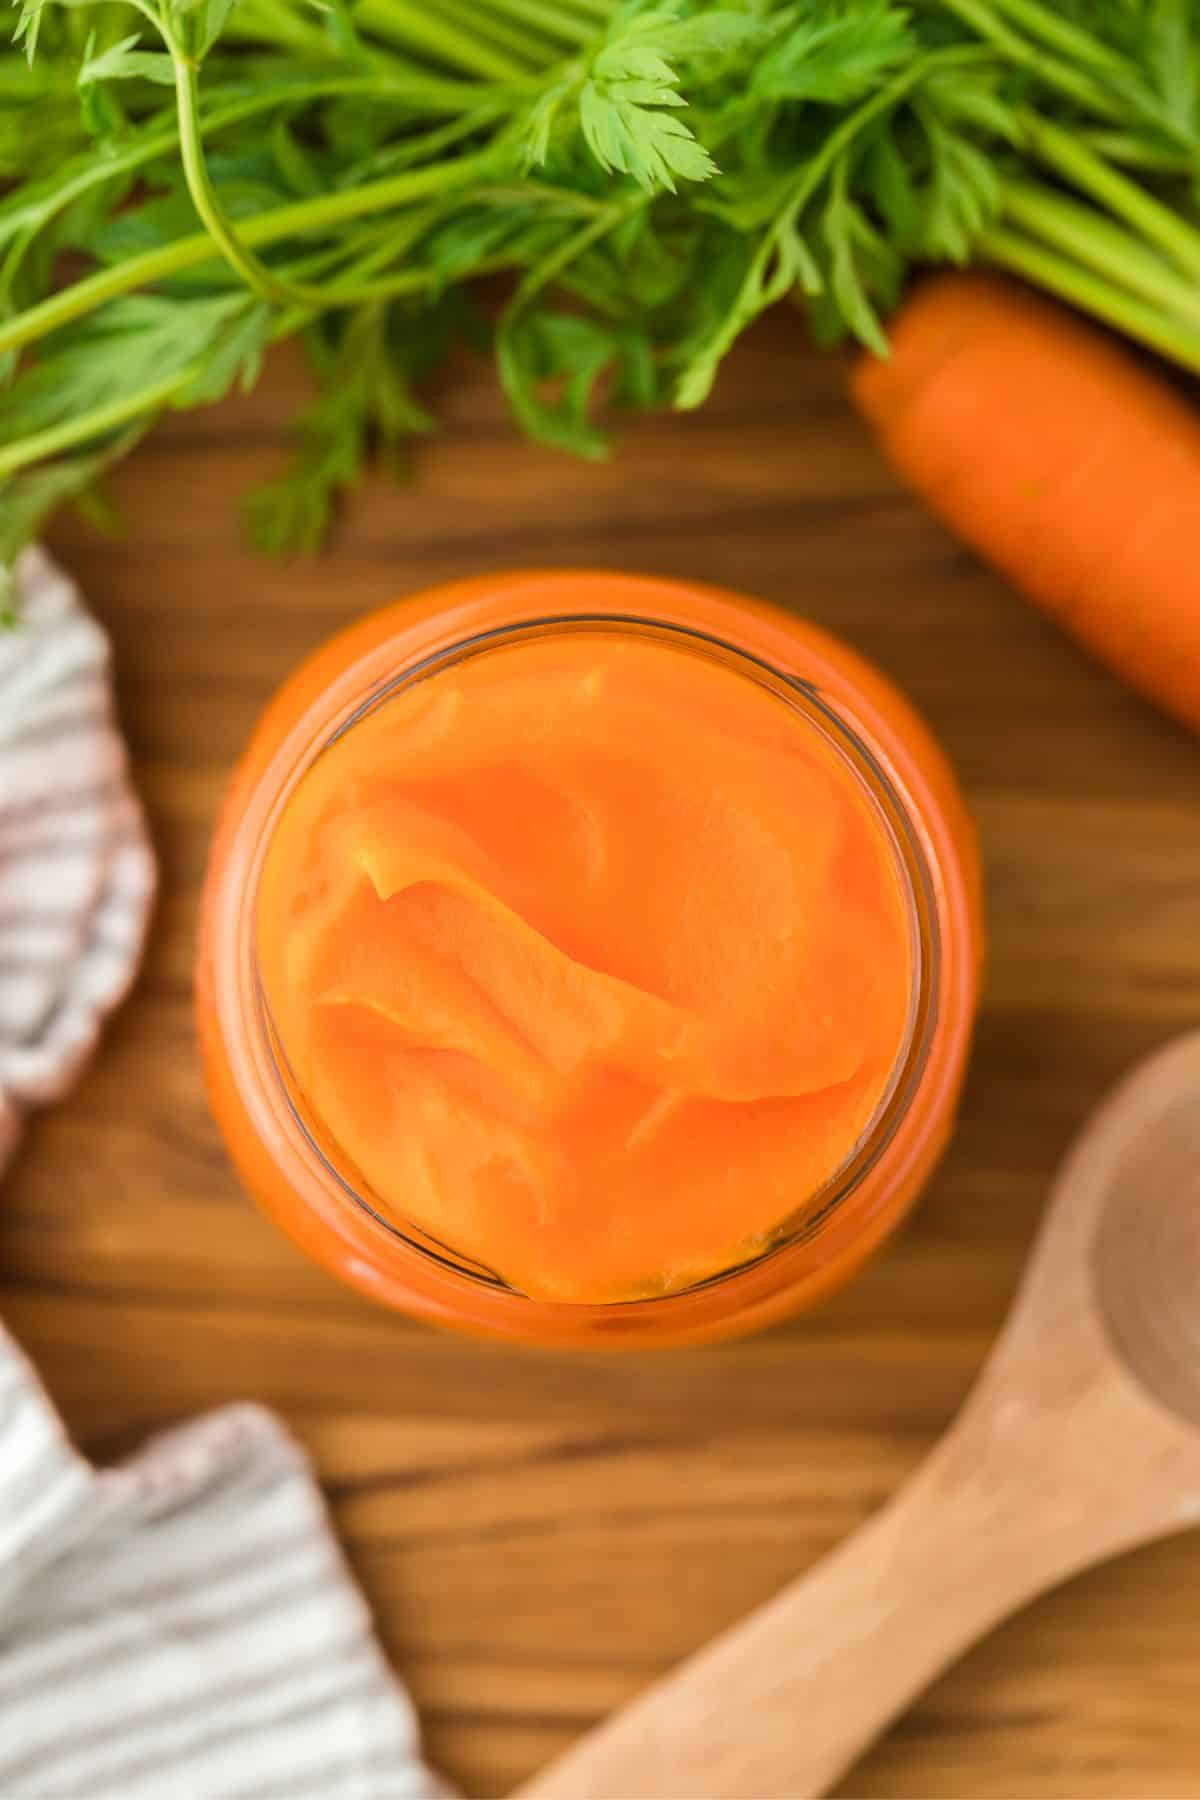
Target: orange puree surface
(589, 958)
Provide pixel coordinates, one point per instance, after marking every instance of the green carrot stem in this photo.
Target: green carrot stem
(554, 20)
(412, 281)
(1064, 152)
(204, 196)
(1149, 325)
(276, 25)
(606, 219)
(1051, 29)
(1094, 241)
(101, 419)
(602, 10)
(39, 446)
(426, 145)
(376, 245)
(355, 287)
(489, 26)
(14, 256)
(24, 210)
(409, 22)
(1134, 153)
(296, 219)
(1075, 83)
(258, 278)
(255, 20)
(367, 258)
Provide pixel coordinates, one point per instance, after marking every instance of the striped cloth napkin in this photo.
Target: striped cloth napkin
(182, 1627)
(76, 872)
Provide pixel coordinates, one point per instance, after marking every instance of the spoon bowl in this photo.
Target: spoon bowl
(1080, 1439)
(1146, 1249)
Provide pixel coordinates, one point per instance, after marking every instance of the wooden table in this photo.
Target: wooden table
(539, 1535)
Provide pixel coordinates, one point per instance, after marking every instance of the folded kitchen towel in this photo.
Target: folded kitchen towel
(182, 1627)
(76, 873)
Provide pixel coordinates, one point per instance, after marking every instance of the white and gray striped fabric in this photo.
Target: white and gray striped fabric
(183, 1627)
(76, 871)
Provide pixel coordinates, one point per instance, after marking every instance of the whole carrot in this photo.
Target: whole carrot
(1059, 456)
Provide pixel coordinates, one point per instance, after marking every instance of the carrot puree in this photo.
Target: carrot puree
(589, 958)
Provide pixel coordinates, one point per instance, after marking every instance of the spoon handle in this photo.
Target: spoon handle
(1012, 1500)
(781, 1704)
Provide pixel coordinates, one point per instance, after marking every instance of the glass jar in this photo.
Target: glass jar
(281, 1152)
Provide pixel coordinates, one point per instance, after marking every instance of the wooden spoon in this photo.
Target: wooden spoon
(1080, 1439)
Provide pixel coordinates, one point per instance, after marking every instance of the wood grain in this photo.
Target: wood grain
(540, 1536)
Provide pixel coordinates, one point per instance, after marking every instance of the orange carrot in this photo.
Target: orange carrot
(1064, 460)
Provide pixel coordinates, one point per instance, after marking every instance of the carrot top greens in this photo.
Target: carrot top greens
(183, 182)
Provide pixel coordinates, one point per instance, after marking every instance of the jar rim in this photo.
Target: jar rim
(909, 861)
